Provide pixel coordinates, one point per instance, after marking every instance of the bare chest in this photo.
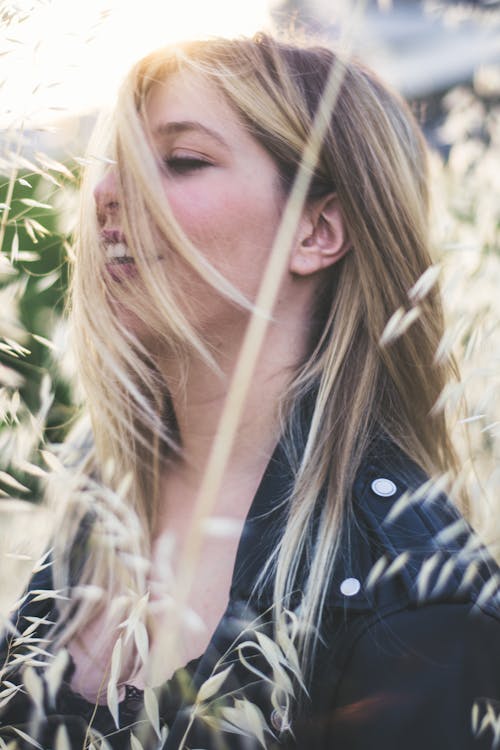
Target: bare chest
(180, 624)
(181, 619)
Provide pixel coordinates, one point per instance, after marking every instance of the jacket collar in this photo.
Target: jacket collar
(263, 527)
(262, 531)
(369, 536)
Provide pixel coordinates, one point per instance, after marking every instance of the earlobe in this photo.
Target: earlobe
(304, 263)
(323, 240)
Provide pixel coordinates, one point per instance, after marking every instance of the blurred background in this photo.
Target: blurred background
(60, 64)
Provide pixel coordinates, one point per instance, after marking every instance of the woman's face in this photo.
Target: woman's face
(221, 184)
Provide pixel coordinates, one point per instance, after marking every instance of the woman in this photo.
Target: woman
(349, 605)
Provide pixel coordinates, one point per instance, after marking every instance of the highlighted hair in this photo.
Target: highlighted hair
(373, 157)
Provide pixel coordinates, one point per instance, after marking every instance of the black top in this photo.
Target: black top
(131, 707)
(409, 648)
(77, 714)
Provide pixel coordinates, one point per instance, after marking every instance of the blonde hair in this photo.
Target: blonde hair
(374, 158)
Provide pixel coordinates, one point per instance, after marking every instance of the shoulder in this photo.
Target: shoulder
(38, 607)
(411, 561)
(408, 545)
(31, 617)
(412, 621)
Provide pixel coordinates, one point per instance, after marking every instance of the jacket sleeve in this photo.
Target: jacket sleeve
(421, 678)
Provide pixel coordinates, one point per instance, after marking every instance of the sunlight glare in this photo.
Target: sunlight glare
(69, 56)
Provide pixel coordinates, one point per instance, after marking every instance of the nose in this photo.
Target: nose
(105, 196)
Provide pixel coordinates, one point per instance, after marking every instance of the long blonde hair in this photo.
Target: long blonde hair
(373, 156)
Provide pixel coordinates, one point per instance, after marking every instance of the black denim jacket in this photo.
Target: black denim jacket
(409, 648)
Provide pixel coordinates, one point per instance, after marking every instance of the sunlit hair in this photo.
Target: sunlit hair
(373, 157)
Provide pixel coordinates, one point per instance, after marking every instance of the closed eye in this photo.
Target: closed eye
(183, 164)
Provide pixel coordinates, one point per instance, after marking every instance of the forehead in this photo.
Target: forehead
(187, 97)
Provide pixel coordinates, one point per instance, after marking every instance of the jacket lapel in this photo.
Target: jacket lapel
(247, 609)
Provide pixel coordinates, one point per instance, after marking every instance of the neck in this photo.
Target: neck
(199, 403)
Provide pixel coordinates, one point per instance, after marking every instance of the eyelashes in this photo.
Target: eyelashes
(184, 164)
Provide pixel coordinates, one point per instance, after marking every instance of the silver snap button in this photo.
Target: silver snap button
(350, 586)
(279, 721)
(384, 487)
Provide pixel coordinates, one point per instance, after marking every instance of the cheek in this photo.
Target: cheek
(226, 224)
(205, 216)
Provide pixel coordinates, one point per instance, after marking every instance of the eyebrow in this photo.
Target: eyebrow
(186, 126)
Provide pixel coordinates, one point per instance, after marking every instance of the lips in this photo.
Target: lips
(113, 237)
(115, 246)
(119, 263)
(121, 268)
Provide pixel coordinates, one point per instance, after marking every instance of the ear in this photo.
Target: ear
(322, 239)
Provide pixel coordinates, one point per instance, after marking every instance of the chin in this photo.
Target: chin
(133, 324)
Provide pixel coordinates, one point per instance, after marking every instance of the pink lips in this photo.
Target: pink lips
(122, 270)
(121, 267)
(112, 236)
